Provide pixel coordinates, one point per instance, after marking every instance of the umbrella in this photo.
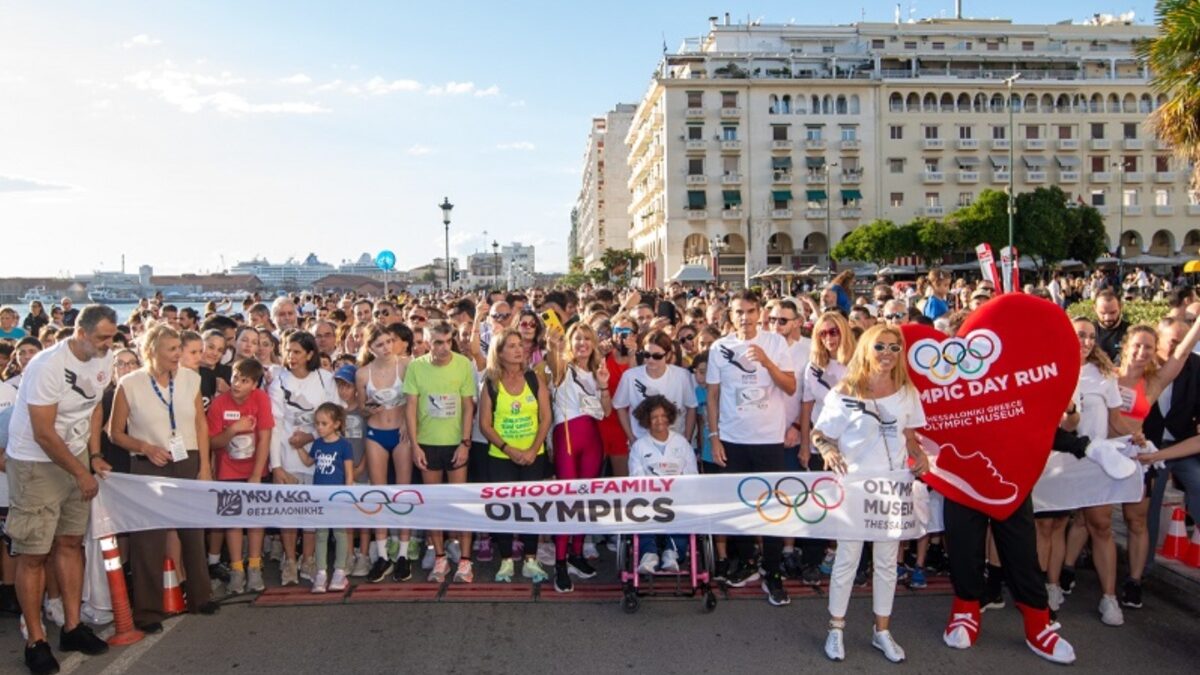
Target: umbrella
(1191, 267)
(893, 270)
(1147, 259)
(693, 274)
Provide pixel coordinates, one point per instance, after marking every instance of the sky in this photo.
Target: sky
(192, 135)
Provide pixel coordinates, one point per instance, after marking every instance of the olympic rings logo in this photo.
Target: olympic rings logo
(371, 502)
(811, 504)
(966, 358)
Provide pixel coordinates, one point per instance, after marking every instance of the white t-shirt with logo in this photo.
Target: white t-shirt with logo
(676, 384)
(818, 382)
(55, 376)
(651, 457)
(870, 432)
(752, 409)
(294, 402)
(577, 395)
(1095, 395)
(800, 351)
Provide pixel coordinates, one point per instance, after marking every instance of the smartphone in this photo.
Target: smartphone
(550, 318)
(619, 335)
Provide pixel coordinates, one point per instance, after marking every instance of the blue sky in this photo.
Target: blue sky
(184, 134)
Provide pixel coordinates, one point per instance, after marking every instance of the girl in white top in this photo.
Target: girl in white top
(296, 391)
(868, 425)
(657, 375)
(832, 347)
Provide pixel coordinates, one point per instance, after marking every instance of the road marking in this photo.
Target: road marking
(134, 652)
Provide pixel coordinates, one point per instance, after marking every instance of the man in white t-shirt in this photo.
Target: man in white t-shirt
(750, 376)
(50, 479)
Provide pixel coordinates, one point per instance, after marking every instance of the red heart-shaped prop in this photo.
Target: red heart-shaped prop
(993, 396)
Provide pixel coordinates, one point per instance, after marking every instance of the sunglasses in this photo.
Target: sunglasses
(830, 332)
(778, 320)
(885, 346)
(527, 324)
(894, 317)
(418, 319)
(501, 317)
(686, 338)
(657, 356)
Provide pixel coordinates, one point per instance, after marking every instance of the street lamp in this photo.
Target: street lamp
(495, 263)
(1120, 167)
(1012, 144)
(828, 220)
(446, 207)
(715, 244)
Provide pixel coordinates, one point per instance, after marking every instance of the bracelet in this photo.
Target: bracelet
(796, 426)
(713, 434)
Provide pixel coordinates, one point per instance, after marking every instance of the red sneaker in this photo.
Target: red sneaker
(1041, 634)
(963, 627)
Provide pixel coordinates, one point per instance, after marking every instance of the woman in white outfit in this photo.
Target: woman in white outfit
(868, 425)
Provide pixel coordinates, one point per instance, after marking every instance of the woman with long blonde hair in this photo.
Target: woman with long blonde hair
(868, 425)
(832, 349)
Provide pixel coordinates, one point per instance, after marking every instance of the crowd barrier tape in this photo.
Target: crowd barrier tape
(881, 507)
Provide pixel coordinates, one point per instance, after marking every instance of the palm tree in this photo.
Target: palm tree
(1174, 60)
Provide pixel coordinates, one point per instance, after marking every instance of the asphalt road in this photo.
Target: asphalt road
(665, 636)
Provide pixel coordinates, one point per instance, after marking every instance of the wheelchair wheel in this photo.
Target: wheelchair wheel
(710, 601)
(710, 557)
(622, 554)
(630, 602)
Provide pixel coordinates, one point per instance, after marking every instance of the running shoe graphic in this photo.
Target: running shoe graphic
(994, 490)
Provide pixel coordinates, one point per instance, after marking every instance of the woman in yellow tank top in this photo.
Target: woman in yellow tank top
(514, 415)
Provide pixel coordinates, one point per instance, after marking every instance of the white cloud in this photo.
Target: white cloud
(453, 88)
(298, 78)
(379, 86)
(141, 40)
(490, 91)
(17, 184)
(183, 90)
(519, 103)
(518, 145)
(419, 150)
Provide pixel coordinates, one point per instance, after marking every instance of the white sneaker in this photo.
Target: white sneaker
(884, 642)
(428, 560)
(276, 549)
(454, 551)
(835, 647)
(308, 568)
(361, 566)
(254, 580)
(589, 550)
(339, 581)
(53, 609)
(320, 581)
(1054, 597)
(1110, 611)
(95, 616)
(670, 560)
(545, 553)
(613, 543)
(649, 563)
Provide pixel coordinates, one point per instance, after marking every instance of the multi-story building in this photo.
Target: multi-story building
(602, 210)
(771, 141)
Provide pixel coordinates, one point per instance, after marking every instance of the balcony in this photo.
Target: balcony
(731, 112)
(1035, 176)
(1133, 209)
(815, 178)
(781, 178)
(967, 144)
(814, 144)
(731, 214)
(1164, 176)
(1164, 210)
(731, 179)
(781, 214)
(1000, 176)
(813, 214)
(933, 211)
(1068, 176)
(1100, 177)
(968, 176)
(731, 146)
(697, 179)
(784, 145)
(850, 213)
(851, 177)
(693, 113)
(697, 214)
(697, 145)
(850, 145)
(1134, 177)
(999, 143)
(1068, 144)
(933, 144)
(1100, 144)
(1194, 209)
(1133, 143)
(932, 177)
(1034, 144)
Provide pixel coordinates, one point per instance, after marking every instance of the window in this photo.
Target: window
(1129, 129)
(967, 46)
(1162, 197)
(729, 99)
(1129, 163)
(1065, 132)
(938, 46)
(1098, 130)
(849, 134)
(1129, 197)
(933, 199)
(931, 165)
(896, 132)
(876, 44)
(695, 99)
(993, 46)
(1027, 45)
(812, 133)
(1033, 131)
(729, 133)
(965, 132)
(780, 204)
(850, 166)
(826, 49)
(931, 131)
(897, 199)
(779, 132)
(896, 164)
(695, 132)
(1097, 197)
(910, 45)
(729, 165)
(999, 133)
(1162, 163)
(731, 199)
(695, 166)
(1098, 164)
(965, 198)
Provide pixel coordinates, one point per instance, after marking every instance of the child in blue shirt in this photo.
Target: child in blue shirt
(333, 457)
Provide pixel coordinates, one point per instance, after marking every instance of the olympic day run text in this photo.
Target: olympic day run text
(989, 385)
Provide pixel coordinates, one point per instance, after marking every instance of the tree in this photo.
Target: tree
(1040, 229)
(576, 263)
(1085, 234)
(1174, 60)
(875, 242)
(984, 220)
(618, 263)
(935, 240)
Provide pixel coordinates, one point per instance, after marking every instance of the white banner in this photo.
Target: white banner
(816, 505)
(1068, 483)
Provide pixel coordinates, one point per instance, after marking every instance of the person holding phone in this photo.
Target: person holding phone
(621, 356)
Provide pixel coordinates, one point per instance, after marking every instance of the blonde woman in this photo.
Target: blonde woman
(832, 348)
(868, 425)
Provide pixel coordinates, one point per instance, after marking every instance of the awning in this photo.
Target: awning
(696, 199)
(696, 274)
(850, 195)
(1191, 267)
(778, 163)
(999, 161)
(1034, 161)
(815, 195)
(1066, 161)
(814, 162)
(966, 162)
(732, 197)
(781, 195)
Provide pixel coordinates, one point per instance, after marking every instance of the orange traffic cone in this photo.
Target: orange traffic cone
(1176, 544)
(1192, 557)
(172, 593)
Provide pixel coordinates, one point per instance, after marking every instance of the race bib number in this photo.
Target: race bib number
(354, 426)
(590, 405)
(233, 415)
(442, 406)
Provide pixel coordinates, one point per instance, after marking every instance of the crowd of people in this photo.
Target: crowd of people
(341, 389)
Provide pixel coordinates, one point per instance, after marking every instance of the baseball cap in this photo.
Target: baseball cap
(345, 372)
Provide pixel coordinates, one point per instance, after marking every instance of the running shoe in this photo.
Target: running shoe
(793, 567)
(746, 573)
(484, 552)
(1131, 594)
(465, 572)
(393, 548)
(648, 563)
(917, 578)
(53, 608)
(721, 570)
(670, 560)
(562, 578)
(1054, 597)
(1066, 579)
(289, 572)
(533, 570)
(237, 582)
(401, 569)
(81, 639)
(992, 602)
(428, 560)
(308, 568)
(220, 571)
(835, 645)
(1110, 611)
(339, 582)
(379, 570)
(580, 567)
(901, 573)
(826, 566)
(862, 577)
(884, 642)
(505, 573)
(276, 549)
(810, 576)
(454, 551)
(613, 542)
(441, 567)
(39, 659)
(320, 581)
(414, 550)
(361, 566)
(545, 553)
(254, 580)
(777, 595)
(589, 549)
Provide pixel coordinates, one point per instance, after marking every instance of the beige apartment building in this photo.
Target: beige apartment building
(768, 142)
(602, 209)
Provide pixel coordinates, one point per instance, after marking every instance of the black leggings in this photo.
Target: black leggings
(1016, 541)
(747, 458)
(508, 471)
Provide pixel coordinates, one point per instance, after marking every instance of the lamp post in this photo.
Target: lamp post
(715, 244)
(828, 221)
(1012, 144)
(446, 207)
(495, 263)
(1120, 224)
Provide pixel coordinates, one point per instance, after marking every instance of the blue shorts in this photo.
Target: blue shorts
(388, 439)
